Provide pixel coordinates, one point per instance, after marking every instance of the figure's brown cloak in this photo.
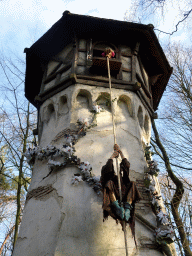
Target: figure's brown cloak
(109, 181)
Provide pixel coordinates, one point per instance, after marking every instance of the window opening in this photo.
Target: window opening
(99, 66)
(140, 116)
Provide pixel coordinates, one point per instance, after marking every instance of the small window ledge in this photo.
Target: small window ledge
(102, 62)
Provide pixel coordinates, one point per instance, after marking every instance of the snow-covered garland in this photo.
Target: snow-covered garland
(67, 153)
(164, 232)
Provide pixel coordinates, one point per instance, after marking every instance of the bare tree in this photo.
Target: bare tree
(185, 209)
(155, 11)
(176, 115)
(17, 122)
(172, 143)
(177, 196)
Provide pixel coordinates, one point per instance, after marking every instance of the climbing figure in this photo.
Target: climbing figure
(111, 198)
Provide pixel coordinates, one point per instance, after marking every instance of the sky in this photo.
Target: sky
(19, 18)
(24, 21)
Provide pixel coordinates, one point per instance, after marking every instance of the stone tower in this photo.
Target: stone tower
(67, 81)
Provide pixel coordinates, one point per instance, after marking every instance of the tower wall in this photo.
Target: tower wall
(63, 219)
(63, 213)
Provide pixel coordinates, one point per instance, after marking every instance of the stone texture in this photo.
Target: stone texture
(69, 221)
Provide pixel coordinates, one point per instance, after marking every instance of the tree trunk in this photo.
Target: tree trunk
(177, 196)
(6, 238)
(17, 220)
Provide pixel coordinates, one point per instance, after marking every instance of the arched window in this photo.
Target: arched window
(146, 124)
(63, 107)
(140, 116)
(48, 113)
(124, 102)
(83, 99)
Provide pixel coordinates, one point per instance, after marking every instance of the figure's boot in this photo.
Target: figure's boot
(120, 212)
(128, 208)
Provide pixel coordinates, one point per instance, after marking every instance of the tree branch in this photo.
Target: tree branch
(176, 26)
(6, 238)
(175, 202)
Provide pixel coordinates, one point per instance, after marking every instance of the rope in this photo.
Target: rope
(115, 142)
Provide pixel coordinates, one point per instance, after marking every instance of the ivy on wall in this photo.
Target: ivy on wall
(164, 232)
(67, 154)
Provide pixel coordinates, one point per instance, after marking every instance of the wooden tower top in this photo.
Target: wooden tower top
(139, 64)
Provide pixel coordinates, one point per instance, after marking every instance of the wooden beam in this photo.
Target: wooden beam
(56, 89)
(142, 72)
(133, 63)
(75, 56)
(51, 77)
(103, 79)
(144, 87)
(106, 84)
(126, 69)
(136, 49)
(145, 103)
(55, 69)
